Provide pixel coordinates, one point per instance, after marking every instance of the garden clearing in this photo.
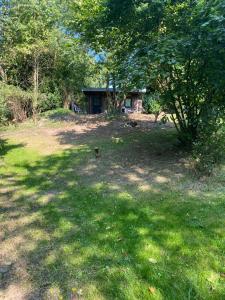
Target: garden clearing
(131, 224)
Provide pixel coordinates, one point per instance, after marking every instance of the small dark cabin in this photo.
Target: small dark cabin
(97, 101)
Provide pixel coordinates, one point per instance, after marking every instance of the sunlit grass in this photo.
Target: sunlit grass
(106, 241)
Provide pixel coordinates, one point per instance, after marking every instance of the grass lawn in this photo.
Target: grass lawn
(132, 224)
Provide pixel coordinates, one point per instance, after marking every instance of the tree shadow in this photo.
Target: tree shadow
(114, 243)
(6, 147)
(102, 128)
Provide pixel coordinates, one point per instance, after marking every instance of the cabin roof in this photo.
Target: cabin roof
(105, 90)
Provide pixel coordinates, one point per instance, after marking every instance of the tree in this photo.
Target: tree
(27, 27)
(174, 47)
(86, 18)
(39, 53)
(73, 66)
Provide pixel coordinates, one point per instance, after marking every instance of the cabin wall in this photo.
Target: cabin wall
(137, 105)
(104, 104)
(136, 102)
(90, 102)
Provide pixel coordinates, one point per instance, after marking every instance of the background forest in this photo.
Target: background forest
(43, 65)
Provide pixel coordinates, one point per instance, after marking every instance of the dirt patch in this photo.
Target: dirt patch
(48, 138)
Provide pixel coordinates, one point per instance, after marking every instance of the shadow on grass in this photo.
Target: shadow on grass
(113, 242)
(101, 127)
(6, 147)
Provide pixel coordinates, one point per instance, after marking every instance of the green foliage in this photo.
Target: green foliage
(58, 114)
(176, 48)
(208, 152)
(209, 148)
(72, 66)
(49, 101)
(152, 104)
(38, 53)
(15, 104)
(4, 113)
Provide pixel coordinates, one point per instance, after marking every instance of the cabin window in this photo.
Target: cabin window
(128, 103)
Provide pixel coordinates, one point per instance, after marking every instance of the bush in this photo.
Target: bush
(209, 148)
(49, 101)
(15, 104)
(4, 112)
(152, 105)
(59, 114)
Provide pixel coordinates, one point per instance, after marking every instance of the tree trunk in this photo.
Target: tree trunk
(35, 86)
(67, 98)
(108, 96)
(156, 116)
(3, 74)
(114, 98)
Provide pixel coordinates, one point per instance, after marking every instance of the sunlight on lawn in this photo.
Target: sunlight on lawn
(107, 241)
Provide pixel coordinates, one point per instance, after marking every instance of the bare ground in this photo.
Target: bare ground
(65, 133)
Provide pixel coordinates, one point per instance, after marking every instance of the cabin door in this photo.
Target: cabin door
(96, 104)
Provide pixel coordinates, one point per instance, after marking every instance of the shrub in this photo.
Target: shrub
(59, 114)
(152, 105)
(15, 104)
(4, 112)
(49, 101)
(209, 147)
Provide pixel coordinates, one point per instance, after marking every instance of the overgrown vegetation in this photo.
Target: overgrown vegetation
(15, 104)
(39, 57)
(209, 148)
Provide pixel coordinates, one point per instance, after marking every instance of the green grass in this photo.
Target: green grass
(103, 241)
(59, 113)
